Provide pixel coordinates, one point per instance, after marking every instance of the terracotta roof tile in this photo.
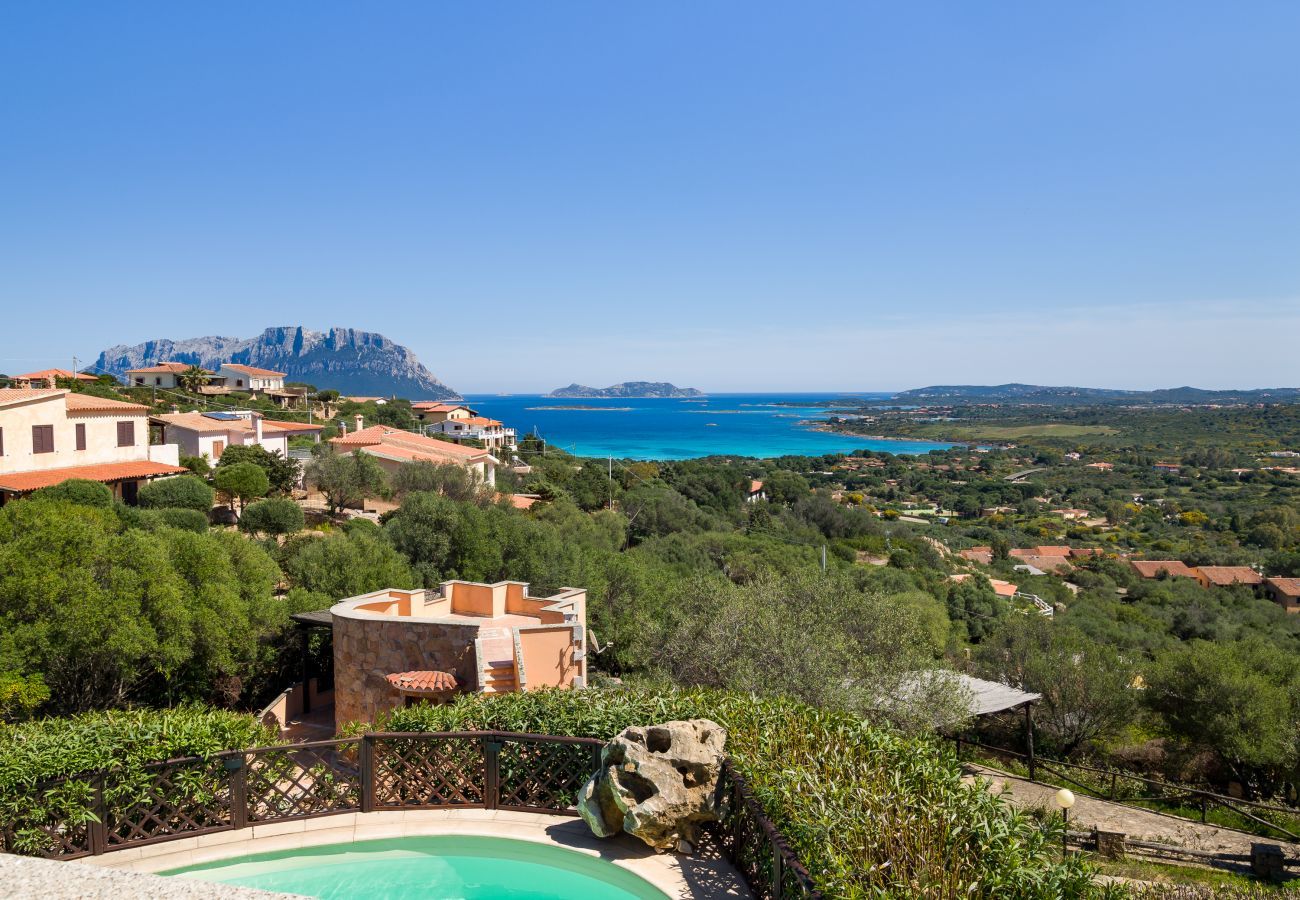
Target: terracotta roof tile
(423, 682)
(254, 371)
(22, 482)
(164, 368)
(53, 373)
(1225, 575)
(405, 445)
(1150, 568)
(86, 403)
(1289, 587)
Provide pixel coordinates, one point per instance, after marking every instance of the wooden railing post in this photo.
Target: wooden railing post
(237, 766)
(491, 772)
(366, 757)
(99, 827)
(778, 870)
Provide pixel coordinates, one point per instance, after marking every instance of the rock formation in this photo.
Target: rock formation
(658, 783)
(345, 359)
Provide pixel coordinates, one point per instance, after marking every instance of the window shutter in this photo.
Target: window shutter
(42, 438)
(126, 434)
(81, 435)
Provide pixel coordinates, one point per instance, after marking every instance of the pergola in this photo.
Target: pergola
(306, 621)
(988, 698)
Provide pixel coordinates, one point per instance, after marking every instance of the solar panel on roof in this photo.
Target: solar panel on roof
(223, 416)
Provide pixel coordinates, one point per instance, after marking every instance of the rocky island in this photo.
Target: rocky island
(640, 389)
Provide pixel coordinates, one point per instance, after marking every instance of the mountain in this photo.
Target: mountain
(357, 363)
(1080, 396)
(627, 389)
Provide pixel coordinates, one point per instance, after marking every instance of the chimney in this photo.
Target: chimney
(343, 429)
(257, 428)
(360, 422)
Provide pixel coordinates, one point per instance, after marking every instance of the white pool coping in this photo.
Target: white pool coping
(679, 877)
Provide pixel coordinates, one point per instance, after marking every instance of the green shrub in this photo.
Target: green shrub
(276, 515)
(79, 491)
(872, 813)
(124, 740)
(184, 519)
(199, 465)
(185, 492)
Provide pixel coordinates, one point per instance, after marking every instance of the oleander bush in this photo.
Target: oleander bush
(37, 757)
(870, 811)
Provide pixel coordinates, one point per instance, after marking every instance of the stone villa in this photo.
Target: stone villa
(394, 647)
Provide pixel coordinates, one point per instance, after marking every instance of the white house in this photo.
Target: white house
(50, 436)
(494, 435)
(163, 375)
(250, 378)
(209, 434)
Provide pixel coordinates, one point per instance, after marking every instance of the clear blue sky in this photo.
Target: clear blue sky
(730, 195)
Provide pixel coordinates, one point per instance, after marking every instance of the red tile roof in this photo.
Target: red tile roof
(201, 424)
(163, 368)
(755, 486)
(76, 403)
(1151, 568)
(437, 406)
(423, 682)
(1225, 575)
(46, 374)
(254, 371)
(403, 445)
(1287, 587)
(73, 403)
(23, 482)
(19, 395)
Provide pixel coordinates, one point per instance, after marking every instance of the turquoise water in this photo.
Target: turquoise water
(717, 425)
(430, 868)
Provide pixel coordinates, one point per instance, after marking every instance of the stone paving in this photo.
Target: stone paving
(1134, 822)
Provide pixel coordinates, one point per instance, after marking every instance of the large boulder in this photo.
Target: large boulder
(658, 783)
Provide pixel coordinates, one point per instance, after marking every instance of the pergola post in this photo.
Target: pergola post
(1029, 738)
(305, 635)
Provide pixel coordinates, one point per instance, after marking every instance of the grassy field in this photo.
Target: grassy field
(1160, 873)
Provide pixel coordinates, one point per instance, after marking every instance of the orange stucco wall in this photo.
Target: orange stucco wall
(547, 657)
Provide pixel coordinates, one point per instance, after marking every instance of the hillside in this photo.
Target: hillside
(344, 359)
(1074, 396)
(654, 389)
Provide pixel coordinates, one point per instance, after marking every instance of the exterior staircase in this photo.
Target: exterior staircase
(499, 678)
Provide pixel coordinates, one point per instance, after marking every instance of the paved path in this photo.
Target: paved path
(1134, 822)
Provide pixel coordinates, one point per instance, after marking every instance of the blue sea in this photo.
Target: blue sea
(716, 425)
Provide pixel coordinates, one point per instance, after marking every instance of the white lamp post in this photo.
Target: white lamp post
(1065, 800)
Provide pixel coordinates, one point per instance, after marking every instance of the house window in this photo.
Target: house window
(126, 434)
(239, 382)
(2, 442)
(157, 380)
(42, 438)
(217, 448)
(81, 435)
(139, 380)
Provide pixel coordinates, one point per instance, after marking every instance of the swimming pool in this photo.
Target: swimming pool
(445, 867)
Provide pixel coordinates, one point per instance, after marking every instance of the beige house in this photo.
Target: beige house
(1285, 592)
(431, 412)
(47, 378)
(163, 375)
(209, 434)
(50, 436)
(393, 448)
(394, 647)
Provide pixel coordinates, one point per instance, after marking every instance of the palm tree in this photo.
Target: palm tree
(192, 379)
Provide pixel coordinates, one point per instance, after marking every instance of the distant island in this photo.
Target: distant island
(640, 389)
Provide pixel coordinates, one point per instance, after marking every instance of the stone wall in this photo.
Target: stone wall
(366, 650)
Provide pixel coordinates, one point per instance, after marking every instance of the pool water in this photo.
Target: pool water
(430, 868)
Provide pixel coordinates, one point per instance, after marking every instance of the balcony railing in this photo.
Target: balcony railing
(98, 812)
